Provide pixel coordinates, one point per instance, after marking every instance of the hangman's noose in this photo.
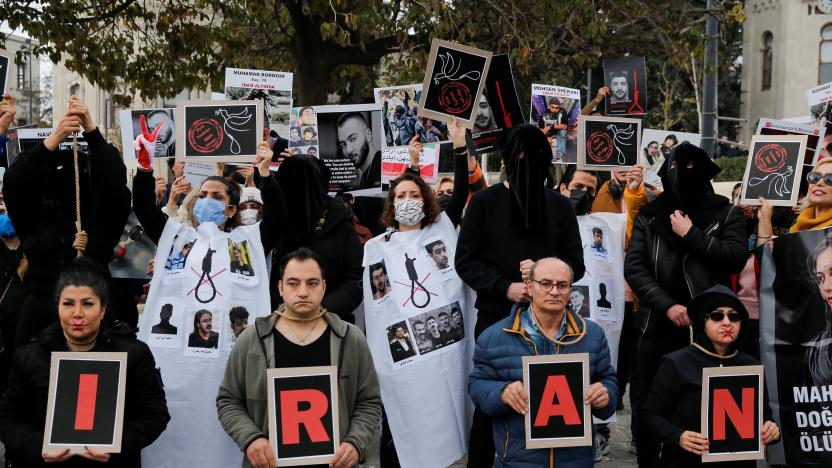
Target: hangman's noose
(409, 264)
(206, 276)
(80, 243)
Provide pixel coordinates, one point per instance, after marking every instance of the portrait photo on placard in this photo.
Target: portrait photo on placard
(218, 131)
(773, 169)
(236, 323)
(401, 342)
(438, 328)
(204, 327)
(437, 250)
(732, 413)
(349, 144)
(626, 79)
(240, 255)
(179, 251)
(151, 124)
(608, 143)
(579, 300)
(273, 88)
(303, 414)
(167, 326)
(555, 111)
(400, 115)
(454, 80)
(558, 415)
(498, 109)
(603, 293)
(656, 146)
(379, 280)
(85, 406)
(817, 141)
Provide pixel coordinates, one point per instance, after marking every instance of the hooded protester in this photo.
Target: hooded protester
(39, 191)
(685, 241)
(504, 225)
(673, 408)
(310, 218)
(251, 206)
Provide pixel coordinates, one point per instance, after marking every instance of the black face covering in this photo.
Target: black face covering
(527, 156)
(304, 181)
(687, 188)
(581, 201)
(443, 200)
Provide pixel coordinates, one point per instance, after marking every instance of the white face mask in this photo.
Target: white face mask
(409, 212)
(249, 216)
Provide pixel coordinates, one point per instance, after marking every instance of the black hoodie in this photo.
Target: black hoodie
(673, 404)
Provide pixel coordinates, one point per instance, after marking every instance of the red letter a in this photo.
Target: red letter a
(292, 417)
(557, 388)
(725, 406)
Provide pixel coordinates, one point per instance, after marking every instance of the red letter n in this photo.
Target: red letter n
(292, 417)
(557, 388)
(726, 407)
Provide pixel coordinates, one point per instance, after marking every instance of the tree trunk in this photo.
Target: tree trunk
(311, 78)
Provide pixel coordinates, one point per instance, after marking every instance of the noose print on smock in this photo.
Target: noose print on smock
(415, 284)
(206, 279)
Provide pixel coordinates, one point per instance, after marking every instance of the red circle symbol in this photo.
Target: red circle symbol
(599, 147)
(205, 135)
(770, 158)
(454, 98)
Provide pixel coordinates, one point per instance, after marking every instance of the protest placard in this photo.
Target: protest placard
(627, 80)
(773, 169)
(218, 131)
(555, 111)
(732, 413)
(608, 143)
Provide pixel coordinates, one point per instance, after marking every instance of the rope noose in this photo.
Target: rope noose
(79, 233)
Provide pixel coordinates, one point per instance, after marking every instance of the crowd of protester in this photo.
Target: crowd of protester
(691, 265)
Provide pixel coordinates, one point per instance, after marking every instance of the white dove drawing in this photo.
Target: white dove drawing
(450, 68)
(234, 122)
(622, 138)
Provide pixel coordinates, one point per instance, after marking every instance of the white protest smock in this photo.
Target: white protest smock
(199, 276)
(424, 376)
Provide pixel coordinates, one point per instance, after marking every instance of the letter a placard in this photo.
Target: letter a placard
(85, 407)
(732, 416)
(303, 414)
(557, 416)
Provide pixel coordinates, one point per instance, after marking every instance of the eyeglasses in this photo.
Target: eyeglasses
(547, 286)
(815, 177)
(718, 316)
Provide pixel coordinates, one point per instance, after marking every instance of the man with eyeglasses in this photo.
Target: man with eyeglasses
(544, 326)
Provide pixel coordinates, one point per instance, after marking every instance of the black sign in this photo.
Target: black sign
(732, 412)
(608, 143)
(86, 401)
(218, 130)
(349, 144)
(498, 109)
(773, 170)
(303, 414)
(558, 415)
(626, 79)
(453, 82)
(5, 66)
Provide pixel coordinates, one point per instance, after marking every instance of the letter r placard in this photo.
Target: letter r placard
(558, 415)
(732, 413)
(303, 414)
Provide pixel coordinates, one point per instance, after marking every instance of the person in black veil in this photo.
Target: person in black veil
(506, 227)
(313, 219)
(684, 242)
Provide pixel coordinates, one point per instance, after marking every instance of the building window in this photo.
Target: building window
(825, 65)
(768, 58)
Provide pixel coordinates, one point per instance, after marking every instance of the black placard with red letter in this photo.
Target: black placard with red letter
(86, 402)
(303, 414)
(558, 415)
(732, 418)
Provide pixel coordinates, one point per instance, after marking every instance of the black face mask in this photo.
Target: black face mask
(616, 191)
(581, 201)
(443, 200)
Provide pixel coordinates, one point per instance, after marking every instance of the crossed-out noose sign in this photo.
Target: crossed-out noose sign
(416, 285)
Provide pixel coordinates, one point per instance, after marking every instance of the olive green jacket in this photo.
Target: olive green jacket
(242, 404)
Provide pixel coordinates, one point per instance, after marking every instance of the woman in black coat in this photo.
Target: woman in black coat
(82, 301)
(673, 407)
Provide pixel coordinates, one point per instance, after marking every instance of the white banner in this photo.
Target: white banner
(420, 321)
(200, 275)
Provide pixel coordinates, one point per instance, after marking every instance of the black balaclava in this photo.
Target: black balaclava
(700, 306)
(527, 156)
(686, 188)
(304, 181)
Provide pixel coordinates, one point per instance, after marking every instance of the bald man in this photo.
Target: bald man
(496, 383)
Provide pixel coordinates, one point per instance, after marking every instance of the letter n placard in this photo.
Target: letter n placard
(303, 414)
(85, 407)
(557, 416)
(732, 416)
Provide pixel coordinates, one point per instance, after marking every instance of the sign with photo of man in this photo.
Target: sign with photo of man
(349, 144)
(498, 109)
(627, 81)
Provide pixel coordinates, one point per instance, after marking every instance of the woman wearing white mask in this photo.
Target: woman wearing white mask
(413, 264)
(251, 206)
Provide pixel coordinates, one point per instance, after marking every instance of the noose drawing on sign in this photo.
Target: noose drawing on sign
(415, 284)
(205, 278)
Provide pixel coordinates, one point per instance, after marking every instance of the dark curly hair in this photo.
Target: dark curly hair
(431, 205)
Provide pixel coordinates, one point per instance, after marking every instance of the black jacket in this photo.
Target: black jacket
(674, 403)
(23, 407)
(491, 248)
(663, 271)
(40, 199)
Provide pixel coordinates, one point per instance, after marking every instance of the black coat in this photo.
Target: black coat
(23, 407)
(663, 269)
(673, 404)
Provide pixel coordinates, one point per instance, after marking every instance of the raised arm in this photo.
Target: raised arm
(274, 202)
(462, 163)
(144, 205)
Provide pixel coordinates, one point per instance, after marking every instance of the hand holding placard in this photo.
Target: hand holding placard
(514, 395)
(259, 453)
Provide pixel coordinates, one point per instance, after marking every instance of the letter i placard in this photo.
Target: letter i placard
(303, 414)
(558, 415)
(732, 413)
